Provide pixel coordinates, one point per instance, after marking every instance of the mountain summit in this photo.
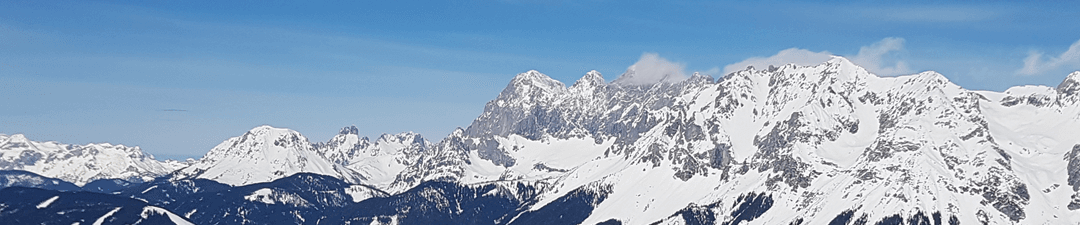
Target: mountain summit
(815, 142)
(1071, 84)
(263, 154)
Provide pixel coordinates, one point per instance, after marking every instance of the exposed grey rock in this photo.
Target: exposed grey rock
(774, 153)
(542, 167)
(1075, 203)
(1071, 84)
(489, 149)
(1006, 195)
(1073, 158)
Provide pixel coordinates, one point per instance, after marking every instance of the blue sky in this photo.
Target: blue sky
(177, 78)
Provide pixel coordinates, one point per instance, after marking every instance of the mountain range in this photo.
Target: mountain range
(825, 144)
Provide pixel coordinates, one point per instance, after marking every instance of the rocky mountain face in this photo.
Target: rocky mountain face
(377, 162)
(830, 143)
(817, 142)
(80, 164)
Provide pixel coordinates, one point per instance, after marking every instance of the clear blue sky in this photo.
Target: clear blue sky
(179, 77)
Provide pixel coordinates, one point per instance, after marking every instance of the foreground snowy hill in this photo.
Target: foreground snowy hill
(80, 164)
(19, 205)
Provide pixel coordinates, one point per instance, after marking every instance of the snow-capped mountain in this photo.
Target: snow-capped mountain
(263, 154)
(816, 143)
(824, 144)
(80, 164)
(378, 162)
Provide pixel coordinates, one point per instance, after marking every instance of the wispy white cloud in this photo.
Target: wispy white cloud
(1035, 64)
(712, 71)
(930, 14)
(797, 56)
(650, 69)
(872, 57)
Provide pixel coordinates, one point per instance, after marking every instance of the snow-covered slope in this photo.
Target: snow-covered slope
(824, 144)
(19, 178)
(378, 162)
(263, 154)
(816, 143)
(80, 164)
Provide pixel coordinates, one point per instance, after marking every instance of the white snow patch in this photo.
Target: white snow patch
(269, 196)
(261, 195)
(47, 202)
(360, 193)
(101, 219)
(148, 189)
(188, 214)
(176, 219)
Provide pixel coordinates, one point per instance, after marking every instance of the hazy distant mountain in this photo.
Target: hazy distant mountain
(80, 164)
